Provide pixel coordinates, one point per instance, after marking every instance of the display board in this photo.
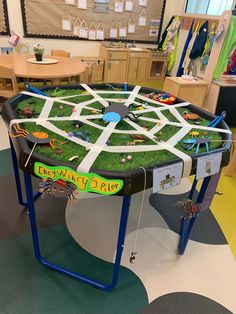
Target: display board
(4, 24)
(114, 20)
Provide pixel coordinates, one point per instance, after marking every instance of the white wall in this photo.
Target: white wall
(76, 47)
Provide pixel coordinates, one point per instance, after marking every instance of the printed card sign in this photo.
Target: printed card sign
(167, 177)
(84, 182)
(208, 165)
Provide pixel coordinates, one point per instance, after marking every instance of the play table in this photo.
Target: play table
(68, 127)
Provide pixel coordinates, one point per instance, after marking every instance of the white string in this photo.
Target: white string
(26, 163)
(140, 214)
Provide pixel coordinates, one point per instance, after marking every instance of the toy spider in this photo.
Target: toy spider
(35, 137)
(58, 189)
(189, 207)
(190, 143)
(122, 110)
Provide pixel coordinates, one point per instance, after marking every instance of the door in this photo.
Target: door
(133, 69)
(142, 69)
(116, 71)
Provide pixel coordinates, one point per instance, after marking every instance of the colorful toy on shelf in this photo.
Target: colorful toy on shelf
(164, 98)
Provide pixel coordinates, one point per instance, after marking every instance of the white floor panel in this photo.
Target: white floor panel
(209, 270)
(94, 223)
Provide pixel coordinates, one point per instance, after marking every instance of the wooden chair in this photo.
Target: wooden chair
(85, 77)
(60, 53)
(65, 54)
(8, 82)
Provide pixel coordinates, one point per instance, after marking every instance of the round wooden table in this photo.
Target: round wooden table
(65, 67)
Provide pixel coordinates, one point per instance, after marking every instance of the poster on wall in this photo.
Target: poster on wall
(4, 22)
(50, 24)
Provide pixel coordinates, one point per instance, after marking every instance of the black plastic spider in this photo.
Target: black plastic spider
(122, 110)
(58, 189)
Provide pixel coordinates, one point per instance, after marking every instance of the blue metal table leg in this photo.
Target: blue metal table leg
(120, 242)
(17, 177)
(185, 236)
(185, 219)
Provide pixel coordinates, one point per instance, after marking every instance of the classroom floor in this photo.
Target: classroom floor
(159, 281)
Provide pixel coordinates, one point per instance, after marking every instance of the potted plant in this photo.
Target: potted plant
(38, 52)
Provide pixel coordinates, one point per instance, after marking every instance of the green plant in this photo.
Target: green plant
(38, 49)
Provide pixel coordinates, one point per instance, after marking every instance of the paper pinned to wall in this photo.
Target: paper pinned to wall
(83, 30)
(66, 22)
(123, 30)
(143, 3)
(131, 25)
(82, 4)
(113, 30)
(92, 32)
(100, 32)
(129, 5)
(142, 21)
(72, 2)
(119, 5)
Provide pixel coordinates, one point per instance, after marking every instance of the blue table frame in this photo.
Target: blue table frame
(186, 226)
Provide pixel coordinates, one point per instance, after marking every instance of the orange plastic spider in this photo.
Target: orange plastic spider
(35, 137)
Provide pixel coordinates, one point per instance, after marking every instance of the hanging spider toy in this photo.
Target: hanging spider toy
(190, 209)
(35, 137)
(58, 189)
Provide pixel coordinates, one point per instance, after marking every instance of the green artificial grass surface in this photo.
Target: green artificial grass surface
(108, 161)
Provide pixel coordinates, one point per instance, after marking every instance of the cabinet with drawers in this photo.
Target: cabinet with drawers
(116, 61)
(138, 62)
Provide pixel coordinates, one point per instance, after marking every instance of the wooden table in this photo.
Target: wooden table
(192, 91)
(66, 67)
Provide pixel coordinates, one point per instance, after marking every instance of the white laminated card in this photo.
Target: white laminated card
(167, 177)
(208, 165)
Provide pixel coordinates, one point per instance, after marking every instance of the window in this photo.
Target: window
(209, 7)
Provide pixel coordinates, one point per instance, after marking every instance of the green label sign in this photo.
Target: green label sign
(85, 182)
